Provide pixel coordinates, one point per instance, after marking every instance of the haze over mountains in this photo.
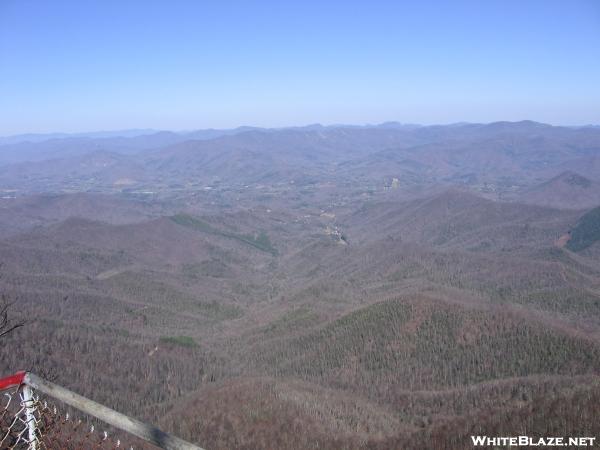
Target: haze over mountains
(389, 286)
(500, 158)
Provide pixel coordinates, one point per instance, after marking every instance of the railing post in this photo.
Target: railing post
(29, 401)
(28, 382)
(142, 430)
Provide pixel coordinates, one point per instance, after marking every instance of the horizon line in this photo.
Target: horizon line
(150, 131)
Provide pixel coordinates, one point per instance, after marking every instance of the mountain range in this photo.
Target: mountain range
(389, 286)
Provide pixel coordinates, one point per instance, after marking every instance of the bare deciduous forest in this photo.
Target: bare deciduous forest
(333, 287)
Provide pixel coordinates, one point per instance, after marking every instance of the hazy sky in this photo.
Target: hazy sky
(92, 65)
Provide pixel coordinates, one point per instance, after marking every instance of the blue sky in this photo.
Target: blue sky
(96, 65)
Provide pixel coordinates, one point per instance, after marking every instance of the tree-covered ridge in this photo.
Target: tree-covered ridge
(259, 240)
(586, 232)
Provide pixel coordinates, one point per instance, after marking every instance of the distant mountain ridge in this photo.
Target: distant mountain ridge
(207, 133)
(503, 160)
(566, 190)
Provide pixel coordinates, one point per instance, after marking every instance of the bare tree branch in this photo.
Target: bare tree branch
(6, 324)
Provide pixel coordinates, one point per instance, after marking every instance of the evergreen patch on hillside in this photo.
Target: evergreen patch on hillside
(182, 341)
(260, 241)
(586, 232)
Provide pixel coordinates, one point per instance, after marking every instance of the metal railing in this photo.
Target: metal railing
(27, 423)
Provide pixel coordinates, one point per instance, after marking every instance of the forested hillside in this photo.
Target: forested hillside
(329, 287)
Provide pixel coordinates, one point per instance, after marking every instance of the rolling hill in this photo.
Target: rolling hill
(567, 190)
(316, 287)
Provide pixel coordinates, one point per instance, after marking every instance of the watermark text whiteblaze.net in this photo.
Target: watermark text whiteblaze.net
(527, 441)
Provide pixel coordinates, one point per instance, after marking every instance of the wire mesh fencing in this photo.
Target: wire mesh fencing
(36, 414)
(31, 422)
